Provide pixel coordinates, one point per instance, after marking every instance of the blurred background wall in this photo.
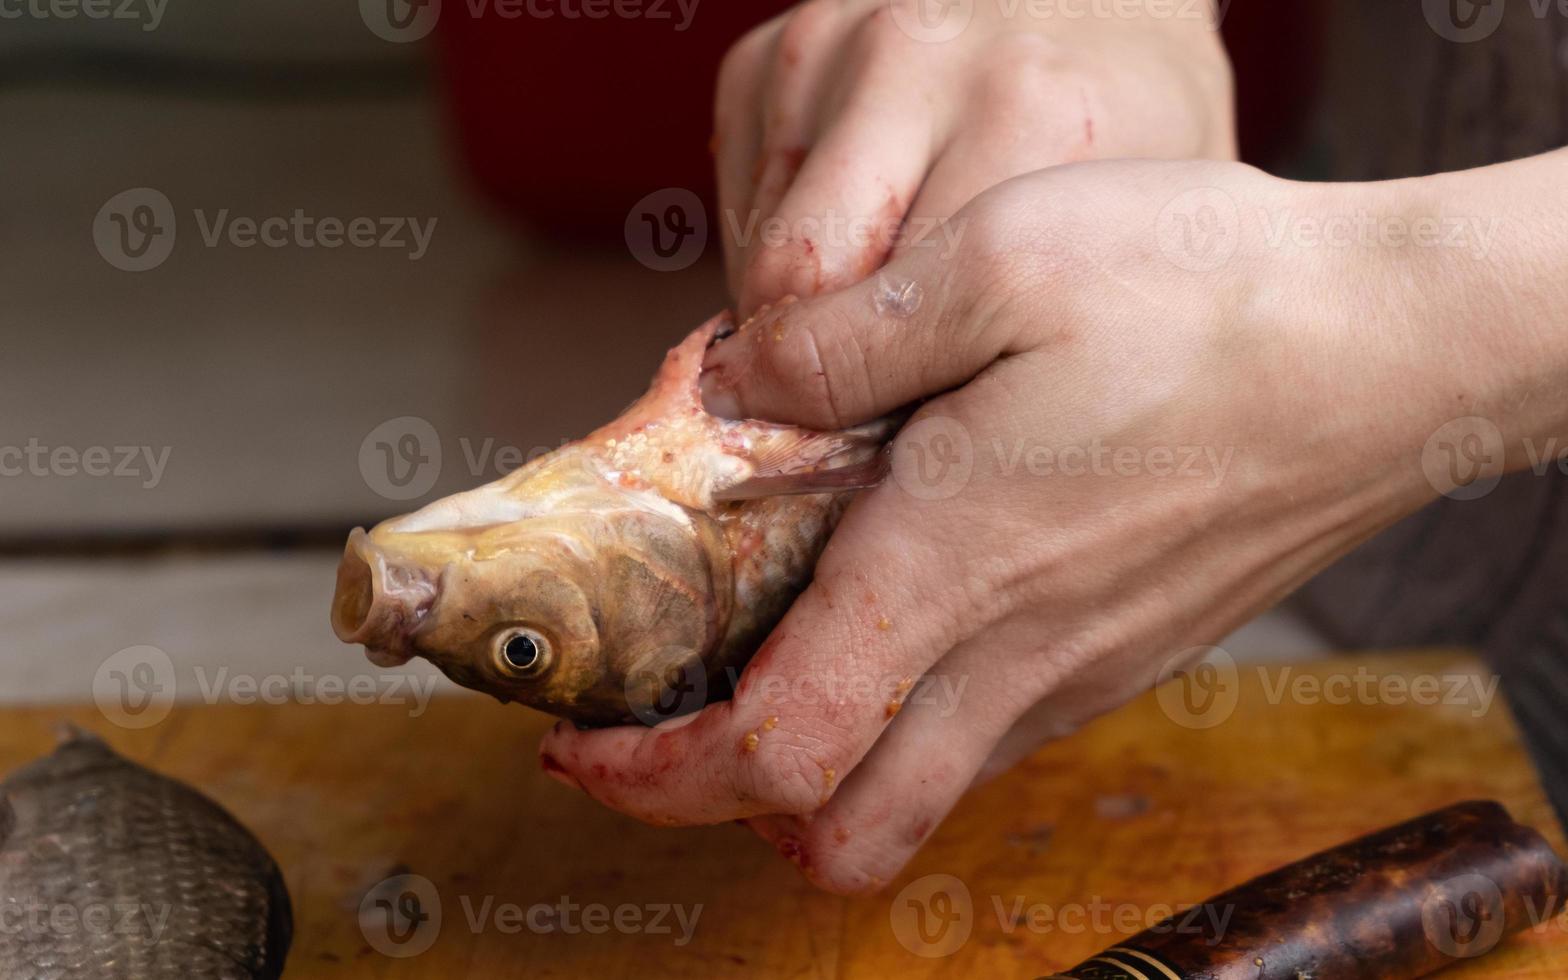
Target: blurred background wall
(195, 417)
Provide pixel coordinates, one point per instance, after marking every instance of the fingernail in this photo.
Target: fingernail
(717, 397)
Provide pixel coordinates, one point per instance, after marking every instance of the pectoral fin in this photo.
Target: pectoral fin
(823, 478)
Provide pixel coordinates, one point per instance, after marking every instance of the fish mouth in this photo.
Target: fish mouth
(379, 604)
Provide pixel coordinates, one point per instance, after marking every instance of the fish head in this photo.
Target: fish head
(511, 614)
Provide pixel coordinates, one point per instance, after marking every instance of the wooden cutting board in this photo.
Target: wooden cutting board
(1106, 829)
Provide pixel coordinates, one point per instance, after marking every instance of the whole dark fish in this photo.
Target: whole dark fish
(109, 871)
(601, 580)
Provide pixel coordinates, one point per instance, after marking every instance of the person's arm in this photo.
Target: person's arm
(1161, 397)
(1498, 312)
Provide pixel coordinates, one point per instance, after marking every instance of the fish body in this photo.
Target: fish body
(620, 575)
(109, 871)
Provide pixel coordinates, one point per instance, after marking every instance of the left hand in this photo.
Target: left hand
(842, 129)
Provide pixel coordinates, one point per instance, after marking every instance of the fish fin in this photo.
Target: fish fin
(66, 732)
(785, 450)
(858, 475)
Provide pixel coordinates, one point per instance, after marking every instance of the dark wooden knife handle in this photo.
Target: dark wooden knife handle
(1396, 904)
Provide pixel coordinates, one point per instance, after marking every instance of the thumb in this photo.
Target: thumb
(850, 356)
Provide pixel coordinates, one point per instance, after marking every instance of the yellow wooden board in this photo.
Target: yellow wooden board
(1090, 837)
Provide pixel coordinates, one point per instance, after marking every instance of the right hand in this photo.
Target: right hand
(1160, 420)
(841, 119)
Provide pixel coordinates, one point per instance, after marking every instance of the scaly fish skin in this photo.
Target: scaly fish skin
(109, 871)
(610, 580)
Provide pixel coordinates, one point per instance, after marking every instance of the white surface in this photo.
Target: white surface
(259, 616)
(216, 618)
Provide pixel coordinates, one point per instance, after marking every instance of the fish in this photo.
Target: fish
(110, 871)
(627, 576)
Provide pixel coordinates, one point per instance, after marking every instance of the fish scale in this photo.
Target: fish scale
(109, 871)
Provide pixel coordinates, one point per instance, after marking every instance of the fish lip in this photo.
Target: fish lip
(378, 604)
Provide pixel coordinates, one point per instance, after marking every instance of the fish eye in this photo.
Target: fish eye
(521, 652)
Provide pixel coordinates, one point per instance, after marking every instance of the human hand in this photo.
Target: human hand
(846, 128)
(1151, 436)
